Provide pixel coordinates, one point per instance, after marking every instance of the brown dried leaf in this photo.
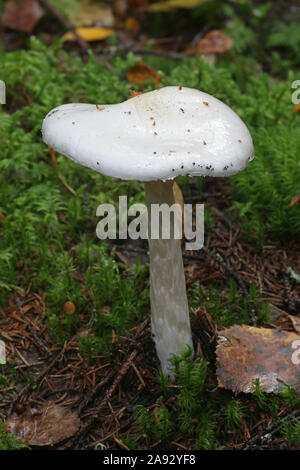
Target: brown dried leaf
(22, 16)
(141, 72)
(296, 108)
(215, 42)
(246, 353)
(295, 199)
(50, 425)
(89, 12)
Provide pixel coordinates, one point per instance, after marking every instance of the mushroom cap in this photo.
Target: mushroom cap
(154, 136)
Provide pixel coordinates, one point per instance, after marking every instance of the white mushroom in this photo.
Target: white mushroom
(155, 137)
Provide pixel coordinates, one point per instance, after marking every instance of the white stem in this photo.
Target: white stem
(170, 319)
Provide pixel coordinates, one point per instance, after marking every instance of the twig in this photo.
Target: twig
(32, 331)
(87, 426)
(126, 365)
(129, 46)
(120, 443)
(22, 358)
(223, 263)
(167, 54)
(267, 433)
(95, 391)
(59, 176)
(216, 257)
(53, 158)
(66, 23)
(117, 380)
(66, 185)
(42, 376)
(222, 216)
(39, 340)
(138, 374)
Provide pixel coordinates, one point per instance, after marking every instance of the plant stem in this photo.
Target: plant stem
(170, 320)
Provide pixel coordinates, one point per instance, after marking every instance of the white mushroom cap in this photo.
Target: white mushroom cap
(153, 136)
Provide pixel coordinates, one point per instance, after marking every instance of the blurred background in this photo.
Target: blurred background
(259, 34)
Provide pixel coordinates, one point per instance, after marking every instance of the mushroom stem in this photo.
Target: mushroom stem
(170, 319)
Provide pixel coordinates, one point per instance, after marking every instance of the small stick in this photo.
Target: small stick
(66, 23)
(167, 54)
(120, 443)
(138, 374)
(86, 427)
(117, 380)
(38, 340)
(270, 430)
(59, 176)
(23, 358)
(53, 158)
(41, 377)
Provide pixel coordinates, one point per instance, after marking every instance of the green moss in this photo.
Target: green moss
(206, 418)
(48, 236)
(291, 431)
(234, 414)
(229, 307)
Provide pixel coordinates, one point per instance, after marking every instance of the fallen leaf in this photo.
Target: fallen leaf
(296, 108)
(295, 199)
(215, 42)
(172, 4)
(21, 16)
(89, 34)
(246, 353)
(89, 12)
(47, 426)
(140, 72)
